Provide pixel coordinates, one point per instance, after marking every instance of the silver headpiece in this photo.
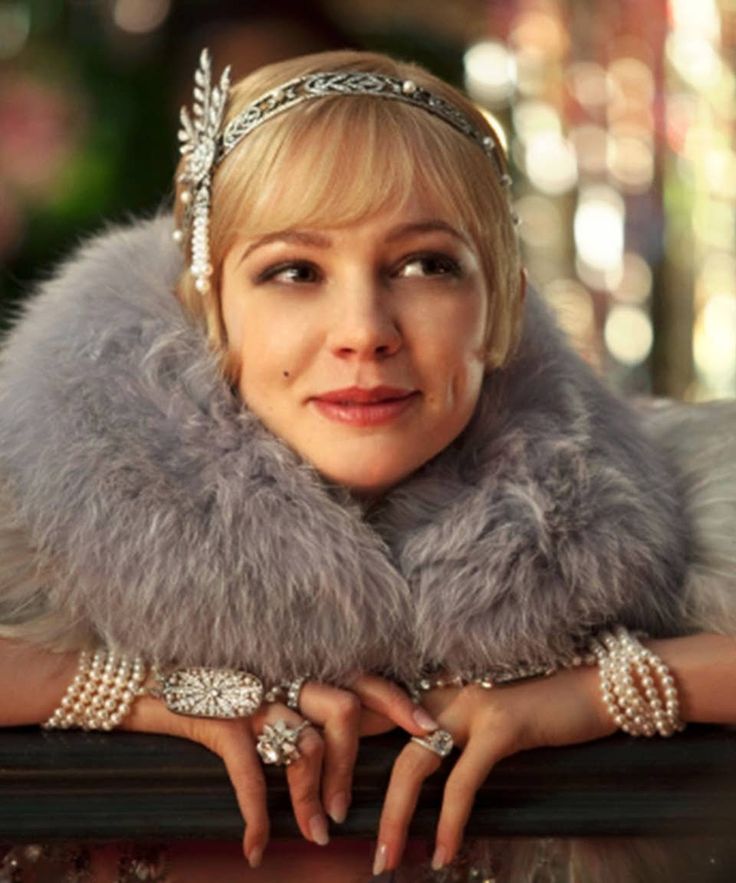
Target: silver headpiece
(205, 143)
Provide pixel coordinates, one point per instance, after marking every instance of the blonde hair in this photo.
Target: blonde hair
(342, 146)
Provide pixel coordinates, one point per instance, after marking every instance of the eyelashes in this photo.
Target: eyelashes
(291, 273)
(430, 265)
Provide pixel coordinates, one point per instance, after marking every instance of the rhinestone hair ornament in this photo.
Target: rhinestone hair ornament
(205, 143)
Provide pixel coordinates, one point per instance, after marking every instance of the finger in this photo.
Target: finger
(390, 700)
(468, 774)
(303, 776)
(339, 712)
(237, 749)
(231, 740)
(410, 770)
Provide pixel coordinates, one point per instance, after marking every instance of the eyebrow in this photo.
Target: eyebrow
(426, 227)
(296, 237)
(319, 240)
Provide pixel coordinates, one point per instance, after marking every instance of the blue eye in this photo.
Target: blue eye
(290, 273)
(429, 265)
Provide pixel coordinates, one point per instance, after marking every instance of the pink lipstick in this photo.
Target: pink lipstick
(358, 406)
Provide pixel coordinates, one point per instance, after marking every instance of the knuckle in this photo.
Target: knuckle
(346, 706)
(459, 788)
(392, 826)
(247, 780)
(339, 766)
(495, 722)
(311, 746)
(303, 791)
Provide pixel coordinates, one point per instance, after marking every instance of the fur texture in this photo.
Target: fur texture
(158, 515)
(701, 439)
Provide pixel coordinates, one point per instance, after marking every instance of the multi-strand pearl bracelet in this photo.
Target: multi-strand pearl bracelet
(101, 693)
(636, 685)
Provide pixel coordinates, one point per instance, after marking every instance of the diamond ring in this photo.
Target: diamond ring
(277, 743)
(210, 692)
(287, 692)
(440, 742)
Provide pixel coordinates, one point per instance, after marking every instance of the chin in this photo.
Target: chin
(365, 479)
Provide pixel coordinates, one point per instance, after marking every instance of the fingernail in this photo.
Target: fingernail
(338, 808)
(379, 861)
(439, 859)
(255, 856)
(424, 720)
(318, 830)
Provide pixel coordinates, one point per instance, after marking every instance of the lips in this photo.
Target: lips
(359, 406)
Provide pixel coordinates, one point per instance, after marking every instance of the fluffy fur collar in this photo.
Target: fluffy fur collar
(175, 525)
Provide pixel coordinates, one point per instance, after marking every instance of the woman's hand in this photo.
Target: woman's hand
(322, 777)
(487, 725)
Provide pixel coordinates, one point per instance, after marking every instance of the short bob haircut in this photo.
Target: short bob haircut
(345, 158)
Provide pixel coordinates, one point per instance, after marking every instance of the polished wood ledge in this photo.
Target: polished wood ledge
(96, 787)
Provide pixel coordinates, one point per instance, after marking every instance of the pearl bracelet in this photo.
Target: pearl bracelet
(100, 694)
(640, 709)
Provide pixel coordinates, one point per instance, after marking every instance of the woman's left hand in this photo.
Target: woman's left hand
(487, 725)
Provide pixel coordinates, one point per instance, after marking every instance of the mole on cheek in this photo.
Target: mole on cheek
(285, 373)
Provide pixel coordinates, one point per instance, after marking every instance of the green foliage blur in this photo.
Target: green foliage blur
(86, 126)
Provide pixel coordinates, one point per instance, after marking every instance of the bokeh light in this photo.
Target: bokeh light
(628, 334)
(551, 163)
(599, 227)
(140, 16)
(490, 72)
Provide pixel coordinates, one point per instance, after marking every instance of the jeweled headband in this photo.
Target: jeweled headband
(205, 143)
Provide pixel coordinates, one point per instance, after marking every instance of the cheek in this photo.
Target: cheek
(454, 353)
(263, 346)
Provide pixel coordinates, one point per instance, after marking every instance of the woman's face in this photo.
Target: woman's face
(360, 346)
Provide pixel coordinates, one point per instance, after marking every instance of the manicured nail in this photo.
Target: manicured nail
(255, 856)
(439, 859)
(379, 862)
(425, 721)
(338, 808)
(318, 830)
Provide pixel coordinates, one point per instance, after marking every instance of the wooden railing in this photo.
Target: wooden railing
(122, 786)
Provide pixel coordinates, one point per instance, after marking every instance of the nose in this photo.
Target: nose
(364, 326)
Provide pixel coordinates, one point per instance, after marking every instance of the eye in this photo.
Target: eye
(428, 265)
(290, 273)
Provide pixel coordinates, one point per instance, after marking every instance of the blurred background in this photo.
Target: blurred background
(618, 116)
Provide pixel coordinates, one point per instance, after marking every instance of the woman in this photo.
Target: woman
(348, 453)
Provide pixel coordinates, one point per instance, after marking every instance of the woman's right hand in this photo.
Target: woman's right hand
(321, 779)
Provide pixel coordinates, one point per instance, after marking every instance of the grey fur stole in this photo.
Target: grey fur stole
(158, 514)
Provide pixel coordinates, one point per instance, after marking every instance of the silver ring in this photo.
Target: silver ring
(277, 743)
(440, 742)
